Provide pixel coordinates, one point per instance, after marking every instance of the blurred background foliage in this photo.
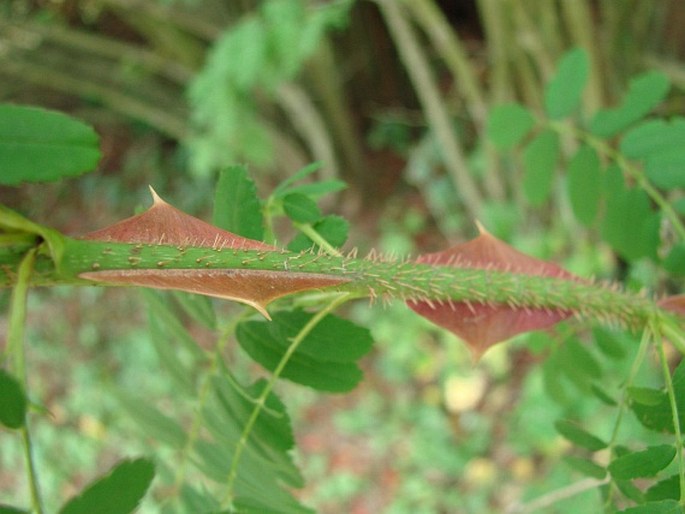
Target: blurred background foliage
(390, 96)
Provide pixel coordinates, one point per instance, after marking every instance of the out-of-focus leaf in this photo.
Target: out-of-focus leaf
(483, 325)
(151, 421)
(198, 307)
(659, 145)
(539, 161)
(12, 401)
(666, 489)
(645, 463)
(674, 262)
(584, 184)
(119, 492)
(630, 224)
(508, 124)
(300, 208)
(586, 467)
(37, 145)
(646, 395)
(324, 360)
(657, 416)
(578, 436)
(660, 507)
(6, 509)
(645, 92)
(564, 90)
(236, 204)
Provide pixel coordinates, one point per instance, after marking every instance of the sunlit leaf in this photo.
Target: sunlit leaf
(12, 401)
(482, 325)
(539, 162)
(645, 463)
(564, 90)
(37, 145)
(508, 125)
(119, 492)
(644, 93)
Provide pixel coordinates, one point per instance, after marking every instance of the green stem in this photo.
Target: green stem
(312, 234)
(623, 403)
(674, 409)
(15, 349)
(261, 401)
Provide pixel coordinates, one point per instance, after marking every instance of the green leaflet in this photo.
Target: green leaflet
(13, 401)
(563, 92)
(326, 358)
(645, 463)
(586, 467)
(574, 433)
(656, 414)
(661, 507)
(539, 161)
(236, 205)
(645, 92)
(630, 225)
(658, 144)
(119, 492)
(508, 124)
(37, 145)
(301, 208)
(584, 184)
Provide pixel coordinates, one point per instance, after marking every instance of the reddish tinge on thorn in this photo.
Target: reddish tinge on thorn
(163, 224)
(483, 325)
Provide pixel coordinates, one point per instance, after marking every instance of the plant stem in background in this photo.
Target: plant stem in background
(437, 115)
(16, 351)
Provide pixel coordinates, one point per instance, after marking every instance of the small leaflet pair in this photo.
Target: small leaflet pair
(480, 325)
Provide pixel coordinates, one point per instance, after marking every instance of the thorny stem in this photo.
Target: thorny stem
(261, 401)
